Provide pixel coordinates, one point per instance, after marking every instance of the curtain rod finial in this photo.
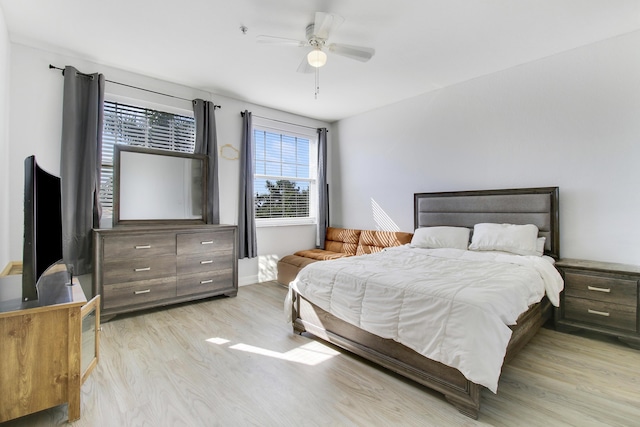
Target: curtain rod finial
(53, 67)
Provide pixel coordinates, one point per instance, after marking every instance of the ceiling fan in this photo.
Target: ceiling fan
(318, 34)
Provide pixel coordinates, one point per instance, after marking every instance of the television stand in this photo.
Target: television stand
(41, 361)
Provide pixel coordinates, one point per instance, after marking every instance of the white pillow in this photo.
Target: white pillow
(441, 237)
(540, 246)
(517, 239)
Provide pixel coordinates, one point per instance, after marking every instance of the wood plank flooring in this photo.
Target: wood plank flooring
(235, 362)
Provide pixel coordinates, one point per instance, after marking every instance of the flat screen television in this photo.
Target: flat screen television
(42, 225)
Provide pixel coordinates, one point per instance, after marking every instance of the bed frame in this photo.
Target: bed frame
(537, 206)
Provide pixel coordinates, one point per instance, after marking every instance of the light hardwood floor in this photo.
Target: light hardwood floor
(235, 362)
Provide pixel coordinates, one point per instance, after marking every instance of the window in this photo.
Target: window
(285, 176)
(142, 127)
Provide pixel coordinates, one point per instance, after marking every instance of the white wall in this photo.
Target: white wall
(571, 120)
(4, 142)
(35, 118)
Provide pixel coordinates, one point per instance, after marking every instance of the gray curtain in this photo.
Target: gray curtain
(323, 190)
(207, 143)
(247, 245)
(80, 163)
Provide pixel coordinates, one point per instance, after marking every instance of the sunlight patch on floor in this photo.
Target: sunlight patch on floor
(218, 341)
(312, 353)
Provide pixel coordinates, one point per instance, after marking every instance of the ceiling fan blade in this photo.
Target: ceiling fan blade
(304, 66)
(358, 53)
(325, 23)
(280, 41)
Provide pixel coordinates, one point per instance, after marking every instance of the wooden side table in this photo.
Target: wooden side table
(48, 347)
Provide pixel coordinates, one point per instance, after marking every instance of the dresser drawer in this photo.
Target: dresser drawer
(193, 243)
(205, 282)
(612, 289)
(198, 263)
(139, 245)
(138, 293)
(601, 313)
(136, 269)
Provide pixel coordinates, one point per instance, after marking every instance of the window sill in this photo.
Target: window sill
(284, 222)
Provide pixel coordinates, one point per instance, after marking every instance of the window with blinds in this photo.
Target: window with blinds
(285, 177)
(142, 127)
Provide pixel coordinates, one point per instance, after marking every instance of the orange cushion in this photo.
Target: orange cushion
(372, 241)
(320, 254)
(342, 240)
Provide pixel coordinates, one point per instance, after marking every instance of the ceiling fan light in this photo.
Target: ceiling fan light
(317, 58)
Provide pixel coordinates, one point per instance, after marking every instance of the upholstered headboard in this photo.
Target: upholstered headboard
(538, 206)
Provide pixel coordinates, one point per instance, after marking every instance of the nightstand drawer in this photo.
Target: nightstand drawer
(600, 313)
(611, 289)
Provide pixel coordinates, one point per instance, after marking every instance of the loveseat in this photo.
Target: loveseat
(339, 243)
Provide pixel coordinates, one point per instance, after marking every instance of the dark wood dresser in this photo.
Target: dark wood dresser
(600, 297)
(138, 267)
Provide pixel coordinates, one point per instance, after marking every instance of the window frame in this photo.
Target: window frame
(297, 131)
(107, 219)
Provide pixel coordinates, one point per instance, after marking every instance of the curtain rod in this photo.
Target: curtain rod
(281, 121)
(131, 86)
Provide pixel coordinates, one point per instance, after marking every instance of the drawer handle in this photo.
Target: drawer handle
(210, 261)
(593, 288)
(204, 282)
(142, 269)
(599, 313)
(207, 242)
(146, 291)
(143, 246)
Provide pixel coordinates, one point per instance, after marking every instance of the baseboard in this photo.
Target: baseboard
(248, 280)
(12, 268)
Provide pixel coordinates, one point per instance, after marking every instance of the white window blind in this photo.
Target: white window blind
(285, 176)
(142, 127)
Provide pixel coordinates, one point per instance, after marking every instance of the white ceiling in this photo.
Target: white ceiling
(421, 45)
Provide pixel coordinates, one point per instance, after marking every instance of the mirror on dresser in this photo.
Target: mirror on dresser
(158, 186)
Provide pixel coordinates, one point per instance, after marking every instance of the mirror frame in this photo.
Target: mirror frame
(119, 148)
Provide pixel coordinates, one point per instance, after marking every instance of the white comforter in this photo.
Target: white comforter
(450, 305)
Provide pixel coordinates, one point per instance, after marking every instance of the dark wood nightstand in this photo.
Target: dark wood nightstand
(600, 297)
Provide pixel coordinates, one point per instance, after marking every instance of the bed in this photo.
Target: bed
(537, 206)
